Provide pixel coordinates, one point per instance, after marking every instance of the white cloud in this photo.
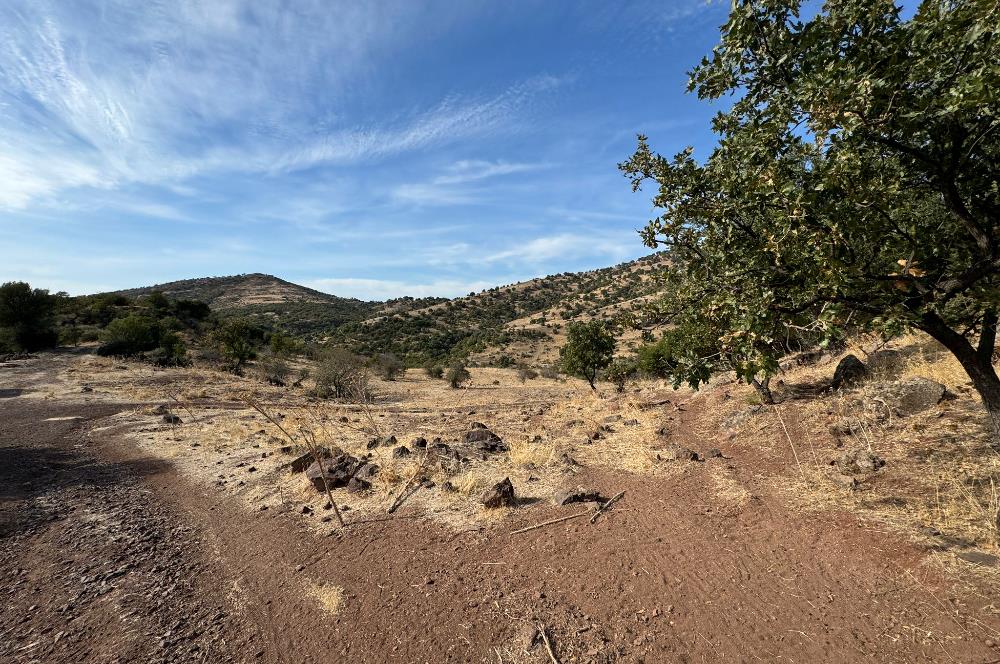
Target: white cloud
(102, 94)
(453, 186)
(385, 289)
(567, 245)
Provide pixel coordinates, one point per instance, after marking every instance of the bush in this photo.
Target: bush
(550, 371)
(389, 366)
(343, 375)
(171, 352)
(26, 317)
(457, 375)
(435, 371)
(130, 336)
(274, 370)
(70, 336)
(236, 339)
(525, 373)
(505, 361)
(619, 372)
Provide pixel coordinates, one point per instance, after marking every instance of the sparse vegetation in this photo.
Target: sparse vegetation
(26, 318)
(340, 374)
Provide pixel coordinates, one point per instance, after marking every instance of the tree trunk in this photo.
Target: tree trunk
(977, 362)
(763, 388)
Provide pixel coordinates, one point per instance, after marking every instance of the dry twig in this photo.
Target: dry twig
(600, 510)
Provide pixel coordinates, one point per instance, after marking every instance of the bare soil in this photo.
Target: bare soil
(114, 554)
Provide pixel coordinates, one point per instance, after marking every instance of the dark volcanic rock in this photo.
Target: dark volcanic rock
(483, 439)
(849, 370)
(300, 463)
(501, 495)
(338, 471)
(401, 452)
(578, 495)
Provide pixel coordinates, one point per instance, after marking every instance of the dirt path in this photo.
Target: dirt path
(110, 557)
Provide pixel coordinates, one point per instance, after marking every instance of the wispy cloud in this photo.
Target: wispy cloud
(385, 289)
(102, 95)
(462, 183)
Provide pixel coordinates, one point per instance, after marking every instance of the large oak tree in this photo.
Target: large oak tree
(856, 181)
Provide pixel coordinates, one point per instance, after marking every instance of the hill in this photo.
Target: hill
(523, 321)
(506, 324)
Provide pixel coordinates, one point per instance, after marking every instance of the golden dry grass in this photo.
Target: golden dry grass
(328, 596)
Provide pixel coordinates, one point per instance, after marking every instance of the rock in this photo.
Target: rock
(170, 418)
(595, 435)
(578, 495)
(736, 420)
(86, 388)
(846, 426)
(387, 441)
(401, 452)
(714, 453)
(367, 471)
(631, 423)
(567, 460)
(612, 418)
(478, 425)
(849, 483)
(419, 443)
(859, 461)
(448, 487)
(358, 485)
(675, 452)
(907, 397)
(484, 439)
(979, 558)
(299, 464)
(849, 370)
(501, 495)
(536, 439)
(338, 471)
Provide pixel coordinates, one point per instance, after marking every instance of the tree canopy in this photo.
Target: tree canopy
(856, 182)
(589, 348)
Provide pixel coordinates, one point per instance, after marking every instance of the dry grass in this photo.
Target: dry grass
(328, 596)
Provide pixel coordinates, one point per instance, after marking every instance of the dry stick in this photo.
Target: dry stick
(790, 443)
(310, 443)
(402, 495)
(600, 510)
(550, 522)
(548, 646)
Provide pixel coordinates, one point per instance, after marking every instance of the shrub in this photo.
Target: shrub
(457, 374)
(505, 361)
(525, 373)
(236, 338)
(550, 371)
(130, 336)
(619, 372)
(274, 370)
(389, 366)
(343, 375)
(435, 371)
(70, 336)
(171, 351)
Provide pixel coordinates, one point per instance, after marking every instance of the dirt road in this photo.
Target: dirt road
(108, 556)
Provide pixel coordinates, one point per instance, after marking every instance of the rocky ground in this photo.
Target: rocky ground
(115, 554)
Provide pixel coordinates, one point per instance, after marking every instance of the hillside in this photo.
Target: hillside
(507, 323)
(504, 324)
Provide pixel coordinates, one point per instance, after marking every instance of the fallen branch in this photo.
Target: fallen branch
(548, 645)
(600, 510)
(550, 522)
(406, 491)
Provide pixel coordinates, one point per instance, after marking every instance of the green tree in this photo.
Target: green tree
(26, 321)
(620, 372)
(589, 348)
(389, 366)
(457, 375)
(856, 183)
(131, 335)
(237, 340)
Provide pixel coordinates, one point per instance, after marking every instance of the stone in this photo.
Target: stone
(979, 558)
(366, 471)
(859, 461)
(358, 485)
(299, 464)
(483, 439)
(675, 452)
(401, 452)
(170, 418)
(612, 418)
(578, 495)
(714, 453)
(736, 420)
(338, 471)
(631, 423)
(911, 396)
(419, 443)
(501, 495)
(849, 371)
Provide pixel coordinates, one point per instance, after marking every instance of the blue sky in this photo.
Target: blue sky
(368, 149)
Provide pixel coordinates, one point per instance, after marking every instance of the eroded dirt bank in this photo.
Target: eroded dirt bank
(109, 555)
